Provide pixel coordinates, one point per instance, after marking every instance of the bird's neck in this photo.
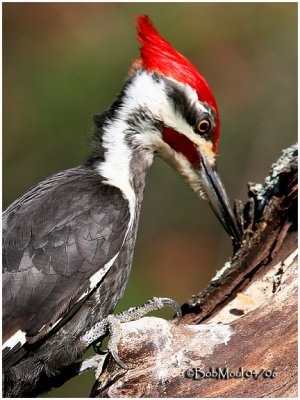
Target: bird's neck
(122, 165)
(119, 158)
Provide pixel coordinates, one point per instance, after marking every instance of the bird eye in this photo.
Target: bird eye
(203, 126)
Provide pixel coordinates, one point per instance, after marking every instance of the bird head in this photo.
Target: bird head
(178, 117)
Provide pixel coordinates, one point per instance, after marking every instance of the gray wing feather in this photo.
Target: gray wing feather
(54, 239)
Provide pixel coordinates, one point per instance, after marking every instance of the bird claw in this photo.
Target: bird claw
(115, 330)
(98, 350)
(112, 324)
(154, 304)
(117, 359)
(174, 305)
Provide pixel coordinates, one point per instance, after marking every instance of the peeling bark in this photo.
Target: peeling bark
(244, 322)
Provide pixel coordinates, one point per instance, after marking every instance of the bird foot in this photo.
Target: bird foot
(112, 324)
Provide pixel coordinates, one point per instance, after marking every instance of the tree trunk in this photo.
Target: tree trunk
(238, 338)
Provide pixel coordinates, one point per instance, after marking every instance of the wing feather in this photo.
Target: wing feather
(55, 238)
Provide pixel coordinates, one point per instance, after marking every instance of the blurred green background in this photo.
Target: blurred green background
(63, 62)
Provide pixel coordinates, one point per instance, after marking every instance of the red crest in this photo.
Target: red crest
(158, 55)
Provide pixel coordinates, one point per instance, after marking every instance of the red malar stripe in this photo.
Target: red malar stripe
(183, 145)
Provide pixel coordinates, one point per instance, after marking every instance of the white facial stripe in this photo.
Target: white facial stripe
(203, 108)
(145, 92)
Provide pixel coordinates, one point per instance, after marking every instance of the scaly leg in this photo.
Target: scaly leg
(112, 324)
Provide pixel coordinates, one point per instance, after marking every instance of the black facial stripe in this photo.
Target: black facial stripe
(141, 117)
(181, 103)
(184, 106)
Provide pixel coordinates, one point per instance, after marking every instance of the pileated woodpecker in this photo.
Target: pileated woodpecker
(68, 242)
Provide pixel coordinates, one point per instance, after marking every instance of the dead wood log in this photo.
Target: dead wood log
(238, 338)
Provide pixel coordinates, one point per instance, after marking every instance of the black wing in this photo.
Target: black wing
(54, 239)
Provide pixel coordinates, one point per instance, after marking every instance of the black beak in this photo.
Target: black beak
(218, 199)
